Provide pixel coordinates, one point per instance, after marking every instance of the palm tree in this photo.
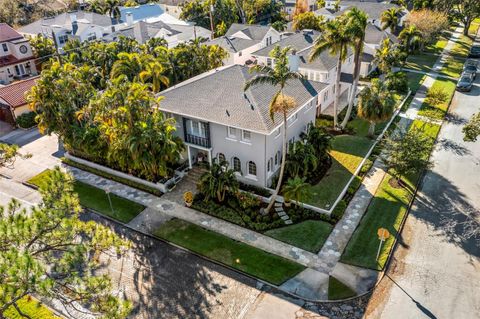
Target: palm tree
(384, 56)
(376, 104)
(277, 76)
(129, 65)
(357, 23)
(218, 181)
(113, 8)
(296, 188)
(410, 36)
(389, 19)
(336, 40)
(155, 73)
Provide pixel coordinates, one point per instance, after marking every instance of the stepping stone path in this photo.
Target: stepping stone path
(281, 213)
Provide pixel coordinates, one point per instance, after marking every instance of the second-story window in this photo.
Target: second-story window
(231, 132)
(62, 39)
(246, 136)
(269, 61)
(292, 119)
(5, 47)
(91, 36)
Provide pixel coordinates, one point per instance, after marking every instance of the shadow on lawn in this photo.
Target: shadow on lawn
(163, 281)
(444, 207)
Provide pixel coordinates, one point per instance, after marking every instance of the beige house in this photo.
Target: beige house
(13, 102)
(16, 57)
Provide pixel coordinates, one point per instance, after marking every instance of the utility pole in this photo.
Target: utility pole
(56, 48)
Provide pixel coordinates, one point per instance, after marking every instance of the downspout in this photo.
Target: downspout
(265, 171)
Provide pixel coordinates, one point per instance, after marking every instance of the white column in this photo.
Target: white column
(210, 157)
(189, 157)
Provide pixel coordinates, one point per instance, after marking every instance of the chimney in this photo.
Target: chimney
(293, 61)
(129, 18)
(73, 17)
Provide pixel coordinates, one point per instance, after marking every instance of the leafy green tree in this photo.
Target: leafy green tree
(321, 141)
(376, 104)
(411, 37)
(9, 154)
(468, 10)
(397, 81)
(356, 26)
(129, 65)
(385, 56)
(278, 76)
(301, 159)
(218, 182)
(390, 19)
(49, 251)
(436, 96)
(336, 39)
(407, 153)
(296, 188)
(42, 46)
(307, 20)
(198, 11)
(154, 73)
(279, 25)
(471, 130)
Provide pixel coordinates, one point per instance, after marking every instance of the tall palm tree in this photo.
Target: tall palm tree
(129, 65)
(357, 23)
(277, 76)
(376, 104)
(390, 20)
(113, 8)
(410, 36)
(336, 40)
(154, 72)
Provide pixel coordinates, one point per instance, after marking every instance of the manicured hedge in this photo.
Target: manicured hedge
(26, 120)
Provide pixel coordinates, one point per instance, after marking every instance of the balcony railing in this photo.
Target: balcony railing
(197, 140)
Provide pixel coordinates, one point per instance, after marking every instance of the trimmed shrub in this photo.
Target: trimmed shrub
(255, 189)
(339, 210)
(26, 120)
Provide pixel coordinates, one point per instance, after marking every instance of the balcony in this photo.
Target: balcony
(197, 140)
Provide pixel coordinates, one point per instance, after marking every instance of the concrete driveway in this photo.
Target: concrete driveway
(436, 269)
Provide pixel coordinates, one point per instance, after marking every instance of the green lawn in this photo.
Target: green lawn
(437, 47)
(387, 209)
(438, 111)
(421, 62)
(453, 67)
(31, 307)
(338, 290)
(309, 235)
(415, 80)
(347, 154)
(248, 259)
(462, 46)
(94, 198)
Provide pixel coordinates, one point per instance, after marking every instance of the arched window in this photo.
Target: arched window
(278, 158)
(221, 157)
(237, 166)
(270, 165)
(252, 168)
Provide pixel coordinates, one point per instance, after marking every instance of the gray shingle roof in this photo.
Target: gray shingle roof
(374, 10)
(218, 97)
(64, 21)
(232, 45)
(298, 41)
(253, 31)
(374, 35)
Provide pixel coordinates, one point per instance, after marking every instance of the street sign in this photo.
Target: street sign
(383, 234)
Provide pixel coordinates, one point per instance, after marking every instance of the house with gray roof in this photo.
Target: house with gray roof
(374, 9)
(173, 34)
(216, 118)
(323, 69)
(81, 25)
(243, 39)
(374, 37)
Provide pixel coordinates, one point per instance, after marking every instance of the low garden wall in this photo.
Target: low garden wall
(163, 187)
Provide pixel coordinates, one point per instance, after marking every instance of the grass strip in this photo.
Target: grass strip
(95, 198)
(32, 308)
(309, 235)
(246, 258)
(338, 290)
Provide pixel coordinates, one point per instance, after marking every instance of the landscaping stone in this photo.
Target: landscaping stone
(284, 217)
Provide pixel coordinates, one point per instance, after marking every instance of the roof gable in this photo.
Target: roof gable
(14, 94)
(7, 33)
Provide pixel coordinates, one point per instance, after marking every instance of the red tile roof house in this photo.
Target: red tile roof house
(13, 101)
(16, 56)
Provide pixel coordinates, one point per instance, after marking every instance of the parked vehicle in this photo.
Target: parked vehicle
(470, 69)
(465, 83)
(474, 52)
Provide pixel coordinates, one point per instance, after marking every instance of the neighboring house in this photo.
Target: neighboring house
(217, 119)
(81, 25)
(323, 69)
(174, 34)
(13, 101)
(242, 39)
(290, 6)
(16, 57)
(373, 9)
(373, 40)
(150, 12)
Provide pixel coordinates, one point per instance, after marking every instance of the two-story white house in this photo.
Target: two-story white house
(16, 56)
(216, 118)
(242, 39)
(323, 69)
(81, 25)
(374, 10)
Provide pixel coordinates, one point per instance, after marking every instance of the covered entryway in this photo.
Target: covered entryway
(198, 155)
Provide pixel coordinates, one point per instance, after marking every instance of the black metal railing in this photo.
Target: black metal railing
(197, 140)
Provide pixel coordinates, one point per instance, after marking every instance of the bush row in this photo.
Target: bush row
(26, 120)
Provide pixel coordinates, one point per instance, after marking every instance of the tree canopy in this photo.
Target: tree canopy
(47, 250)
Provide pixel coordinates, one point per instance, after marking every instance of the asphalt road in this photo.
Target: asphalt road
(436, 269)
